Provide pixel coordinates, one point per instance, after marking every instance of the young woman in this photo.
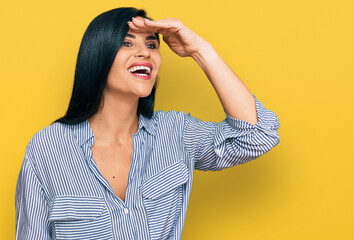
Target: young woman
(112, 168)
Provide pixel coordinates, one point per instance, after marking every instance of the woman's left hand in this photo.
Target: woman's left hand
(181, 40)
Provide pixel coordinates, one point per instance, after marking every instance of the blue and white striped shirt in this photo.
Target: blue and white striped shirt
(61, 193)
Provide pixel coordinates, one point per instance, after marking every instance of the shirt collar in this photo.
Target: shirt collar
(84, 132)
(149, 124)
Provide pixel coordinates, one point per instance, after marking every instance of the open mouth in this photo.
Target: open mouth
(142, 70)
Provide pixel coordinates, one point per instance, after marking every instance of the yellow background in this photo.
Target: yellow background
(295, 56)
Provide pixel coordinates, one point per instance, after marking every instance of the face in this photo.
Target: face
(135, 66)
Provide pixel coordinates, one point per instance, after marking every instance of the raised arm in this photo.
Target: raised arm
(235, 97)
(249, 130)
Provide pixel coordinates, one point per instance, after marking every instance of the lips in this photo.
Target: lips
(141, 70)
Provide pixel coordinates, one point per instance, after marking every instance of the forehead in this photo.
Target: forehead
(145, 35)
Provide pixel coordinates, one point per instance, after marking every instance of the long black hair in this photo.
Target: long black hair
(99, 46)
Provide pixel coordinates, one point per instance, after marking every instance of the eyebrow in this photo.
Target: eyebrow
(151, 37)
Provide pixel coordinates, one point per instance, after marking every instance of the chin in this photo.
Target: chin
(143, 95)
(144, 92)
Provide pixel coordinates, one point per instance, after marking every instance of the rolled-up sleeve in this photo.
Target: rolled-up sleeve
(31, 206)
(215, 146)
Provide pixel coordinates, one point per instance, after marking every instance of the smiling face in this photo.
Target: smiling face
(135, 66)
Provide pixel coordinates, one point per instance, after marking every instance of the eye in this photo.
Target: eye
(151, 45)
(126, 44)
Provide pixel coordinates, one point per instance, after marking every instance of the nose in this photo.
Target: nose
(142, 51)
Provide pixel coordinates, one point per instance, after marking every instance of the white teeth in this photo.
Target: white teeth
(133, 69)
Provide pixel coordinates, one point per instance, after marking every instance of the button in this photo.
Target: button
(218, 152)
(126, 210)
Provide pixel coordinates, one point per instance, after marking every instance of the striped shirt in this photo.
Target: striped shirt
(61, 193)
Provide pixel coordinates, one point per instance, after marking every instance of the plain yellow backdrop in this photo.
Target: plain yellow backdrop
(295, 56)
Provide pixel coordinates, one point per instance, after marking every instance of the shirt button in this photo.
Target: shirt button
(217, 151)
(126, 210)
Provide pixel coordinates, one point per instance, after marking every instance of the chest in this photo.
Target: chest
(157, 187)
(113, 162)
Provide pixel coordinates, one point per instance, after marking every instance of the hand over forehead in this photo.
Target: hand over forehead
(168, 25)
(181, 40)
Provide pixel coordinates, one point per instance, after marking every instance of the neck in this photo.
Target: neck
(116, 120)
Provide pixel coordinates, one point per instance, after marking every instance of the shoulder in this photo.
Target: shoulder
(169, 121)
(52, 132)
(50, 137)
(162, 115)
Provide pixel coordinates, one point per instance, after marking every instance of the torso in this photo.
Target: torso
(114, 164)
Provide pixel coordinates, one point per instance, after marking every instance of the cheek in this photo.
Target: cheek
(115, 77)
(118, 63)
(158, 61)
(116, 70)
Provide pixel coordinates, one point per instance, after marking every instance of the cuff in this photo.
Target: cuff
(232, 127)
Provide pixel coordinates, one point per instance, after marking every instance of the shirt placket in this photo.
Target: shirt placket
(120, 210)
(131, 189)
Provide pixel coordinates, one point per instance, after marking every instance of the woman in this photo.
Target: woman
(111, 168)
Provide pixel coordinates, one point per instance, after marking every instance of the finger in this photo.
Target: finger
(138, 25)
(138, 21)
(164, 26)
(135, 28)
(169, 24)
(131, 25)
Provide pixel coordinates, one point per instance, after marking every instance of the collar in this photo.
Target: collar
(149, 124)
(84, 134)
